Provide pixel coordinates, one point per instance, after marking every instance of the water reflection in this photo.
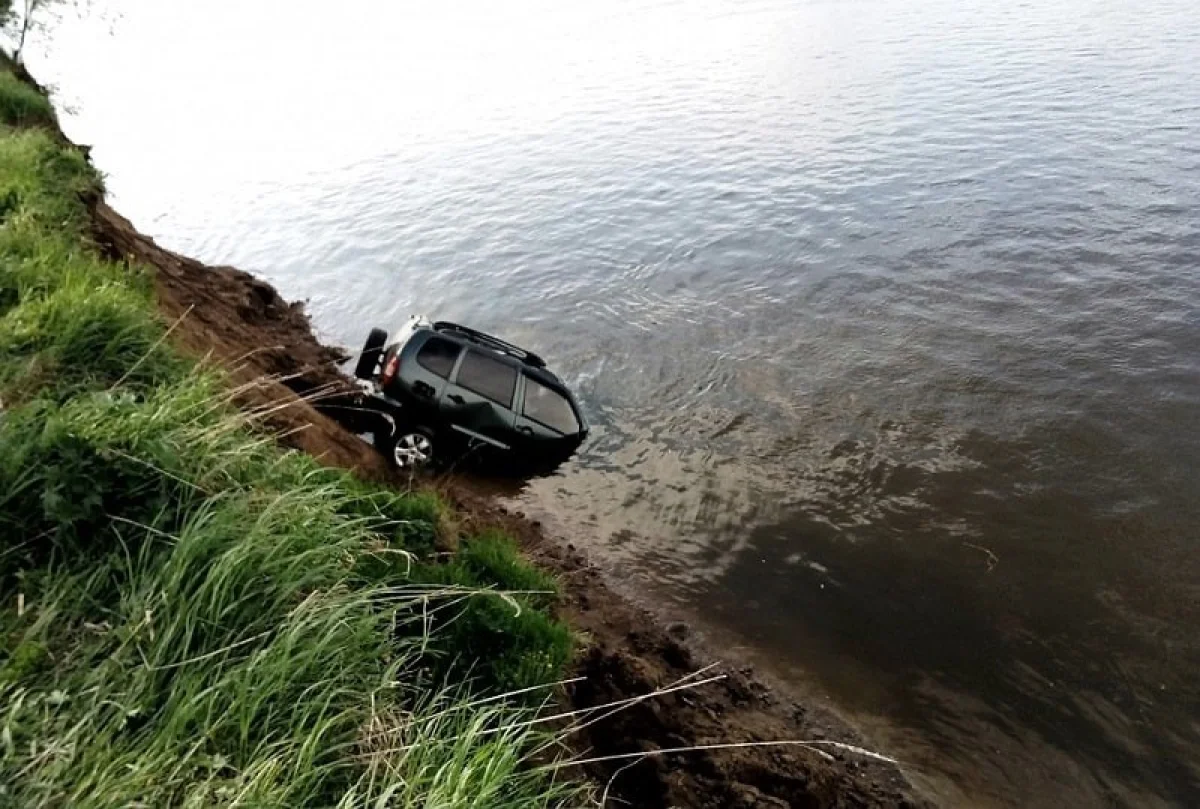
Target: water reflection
(926, 579)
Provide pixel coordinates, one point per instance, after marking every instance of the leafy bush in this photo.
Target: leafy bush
(22, 105)
(26, 659)
(84, 337)
(408, 519)
(45, 181)
(504, 641)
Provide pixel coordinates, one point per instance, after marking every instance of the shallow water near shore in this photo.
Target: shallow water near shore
(887, 316)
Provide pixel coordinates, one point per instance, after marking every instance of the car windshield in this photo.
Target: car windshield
(549, 407)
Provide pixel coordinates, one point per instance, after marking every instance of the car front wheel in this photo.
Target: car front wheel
(413, 449)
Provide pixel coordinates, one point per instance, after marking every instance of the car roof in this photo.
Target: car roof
(491, 341)
(537, 369)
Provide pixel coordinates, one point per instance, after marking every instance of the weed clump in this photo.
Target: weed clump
(508, 639)
(22, 105)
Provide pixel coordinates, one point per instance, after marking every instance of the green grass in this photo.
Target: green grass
(510, 641)
(22, 105)
(192, 616)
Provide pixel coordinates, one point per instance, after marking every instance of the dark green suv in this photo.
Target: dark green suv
(443, 389)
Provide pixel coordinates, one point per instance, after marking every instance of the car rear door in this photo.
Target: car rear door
(426, 365)
(478, 400)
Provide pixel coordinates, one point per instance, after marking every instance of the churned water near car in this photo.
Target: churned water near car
(886, 315)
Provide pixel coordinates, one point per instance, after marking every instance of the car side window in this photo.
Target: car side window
(488, 377)
(438, 356)
(549, 407)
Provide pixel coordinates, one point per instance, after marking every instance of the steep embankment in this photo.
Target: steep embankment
(193, 616)
(290, 384)
(245, 323)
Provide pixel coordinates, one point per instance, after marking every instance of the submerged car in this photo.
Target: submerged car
(444, 390)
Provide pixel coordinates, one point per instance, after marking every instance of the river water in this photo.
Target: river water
(887, 315)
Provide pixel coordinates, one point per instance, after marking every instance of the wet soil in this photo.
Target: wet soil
(286, 374)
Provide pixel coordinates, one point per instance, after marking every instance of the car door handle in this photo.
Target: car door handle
(454, 397)
(526, 430)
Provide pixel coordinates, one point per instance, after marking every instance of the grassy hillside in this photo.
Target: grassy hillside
(191, 616)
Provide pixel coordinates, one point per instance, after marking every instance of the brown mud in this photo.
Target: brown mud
(268, 345)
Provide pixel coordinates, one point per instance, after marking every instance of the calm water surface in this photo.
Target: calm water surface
(887, 315)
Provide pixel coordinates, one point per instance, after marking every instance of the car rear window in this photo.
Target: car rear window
(488, 377)
(438, 356)
(549, 407)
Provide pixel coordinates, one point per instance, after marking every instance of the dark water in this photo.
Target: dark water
(887, 315)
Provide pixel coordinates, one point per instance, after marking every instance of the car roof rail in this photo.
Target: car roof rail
(492, 342)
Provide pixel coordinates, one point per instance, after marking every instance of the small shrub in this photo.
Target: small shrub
(47, 182)
(22, 105)
(59, 489)
(501, 648)
(35, 263)
(27, 658)
(501, 643)
(491, 558)
(91, 336)
(408, 519)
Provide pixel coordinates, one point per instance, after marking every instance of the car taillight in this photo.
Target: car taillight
(389, 368)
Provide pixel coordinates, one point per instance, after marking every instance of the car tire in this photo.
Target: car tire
(412, 449)
(368, 360)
